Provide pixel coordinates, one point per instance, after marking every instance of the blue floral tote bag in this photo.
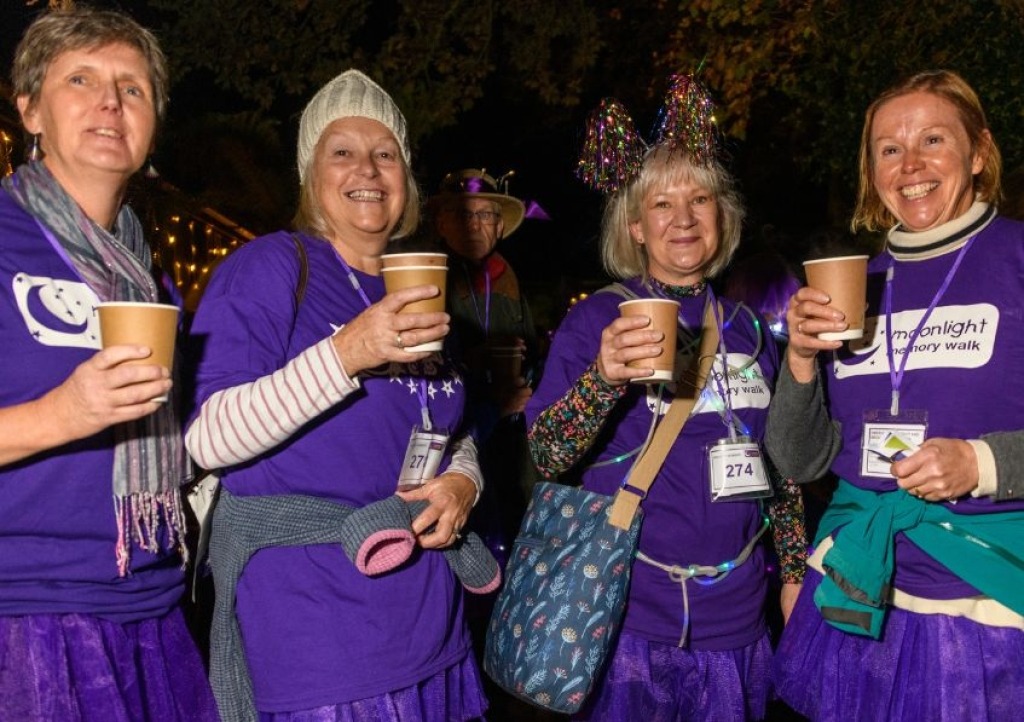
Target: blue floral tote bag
(565, 591)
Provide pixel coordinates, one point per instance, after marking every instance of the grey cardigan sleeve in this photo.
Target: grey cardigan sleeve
(801, 438)
(1008, 450)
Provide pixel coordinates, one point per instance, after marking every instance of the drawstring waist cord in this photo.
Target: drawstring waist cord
(713, 574)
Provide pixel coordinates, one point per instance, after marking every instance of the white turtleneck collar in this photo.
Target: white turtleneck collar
(909, 246)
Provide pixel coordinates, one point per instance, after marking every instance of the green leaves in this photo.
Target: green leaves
(433, 56)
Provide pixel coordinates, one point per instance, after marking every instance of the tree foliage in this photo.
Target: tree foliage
(433, 56)
(793, 77)
(811, 67)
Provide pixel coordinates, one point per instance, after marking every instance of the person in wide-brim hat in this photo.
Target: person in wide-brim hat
(472, 214)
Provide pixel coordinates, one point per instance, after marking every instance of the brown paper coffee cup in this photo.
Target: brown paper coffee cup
(844, 279)
(141, 324)
(394, 260)
(505, 365)
(399, 277)
(664, 315)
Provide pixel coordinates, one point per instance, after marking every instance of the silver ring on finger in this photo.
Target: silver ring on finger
(398, 340)
(800, 327)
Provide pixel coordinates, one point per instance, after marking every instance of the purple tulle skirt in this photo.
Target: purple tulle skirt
(925, 667)
(655, 682)
(78, 668)
(454, 695)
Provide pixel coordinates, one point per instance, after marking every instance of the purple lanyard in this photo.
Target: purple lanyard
(352, 277)
(58, 247)
(485, 321)
(896, 375)
(421, 394)
(421, 391)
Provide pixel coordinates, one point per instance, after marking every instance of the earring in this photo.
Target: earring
(35, 152)
(151, 172)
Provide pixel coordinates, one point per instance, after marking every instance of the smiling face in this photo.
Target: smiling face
(679, 228)
(95, 114)
(923, 162)
(359, 181)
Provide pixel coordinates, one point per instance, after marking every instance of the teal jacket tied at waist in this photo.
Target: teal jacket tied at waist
(859, 567)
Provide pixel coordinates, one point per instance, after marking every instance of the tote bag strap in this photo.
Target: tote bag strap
(633, 491)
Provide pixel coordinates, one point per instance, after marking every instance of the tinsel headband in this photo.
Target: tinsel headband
(613, 151)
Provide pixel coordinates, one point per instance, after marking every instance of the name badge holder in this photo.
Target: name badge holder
(736, 470)
(893, 434)
(422, 457)
(887, 437)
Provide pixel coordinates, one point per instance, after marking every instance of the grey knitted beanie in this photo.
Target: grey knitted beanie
(351, 94)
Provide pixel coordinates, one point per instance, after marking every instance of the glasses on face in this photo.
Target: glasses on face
(486, 218)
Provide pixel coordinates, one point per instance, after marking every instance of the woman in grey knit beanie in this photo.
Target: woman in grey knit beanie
(310, 390)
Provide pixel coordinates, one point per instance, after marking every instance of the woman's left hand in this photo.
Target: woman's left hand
(787, 599)
(941, 470)
(451, 496)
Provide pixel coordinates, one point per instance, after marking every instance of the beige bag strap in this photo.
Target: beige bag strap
(629, 496)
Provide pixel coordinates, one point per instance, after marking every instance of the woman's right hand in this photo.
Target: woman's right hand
(627, 338)
(104, 391)
(807, 316)
(381, 334)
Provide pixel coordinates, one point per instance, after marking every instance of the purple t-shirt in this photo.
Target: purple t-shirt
(57, 523)
(964, 370)
(681, 524)
(316, 631)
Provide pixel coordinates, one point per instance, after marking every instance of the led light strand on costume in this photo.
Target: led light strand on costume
(732, 421)
(677, 293)
(421, 390)
(717, 573)
(757, 332)
(485, 321)
(655, 420)
(616, 459)
(657, 289)
(896, 375)
(724, 392)
(714, 400)
(693, 572)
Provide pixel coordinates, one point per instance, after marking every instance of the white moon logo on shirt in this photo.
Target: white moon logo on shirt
(56, 311)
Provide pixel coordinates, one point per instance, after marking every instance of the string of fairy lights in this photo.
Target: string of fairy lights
(188, 239)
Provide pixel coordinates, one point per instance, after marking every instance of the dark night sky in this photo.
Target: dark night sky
(503, 137)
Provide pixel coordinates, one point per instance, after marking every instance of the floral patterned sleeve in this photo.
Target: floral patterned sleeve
(563, 432)
(786, 512)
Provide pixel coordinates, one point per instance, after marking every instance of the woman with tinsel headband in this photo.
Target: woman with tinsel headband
(694, 645)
